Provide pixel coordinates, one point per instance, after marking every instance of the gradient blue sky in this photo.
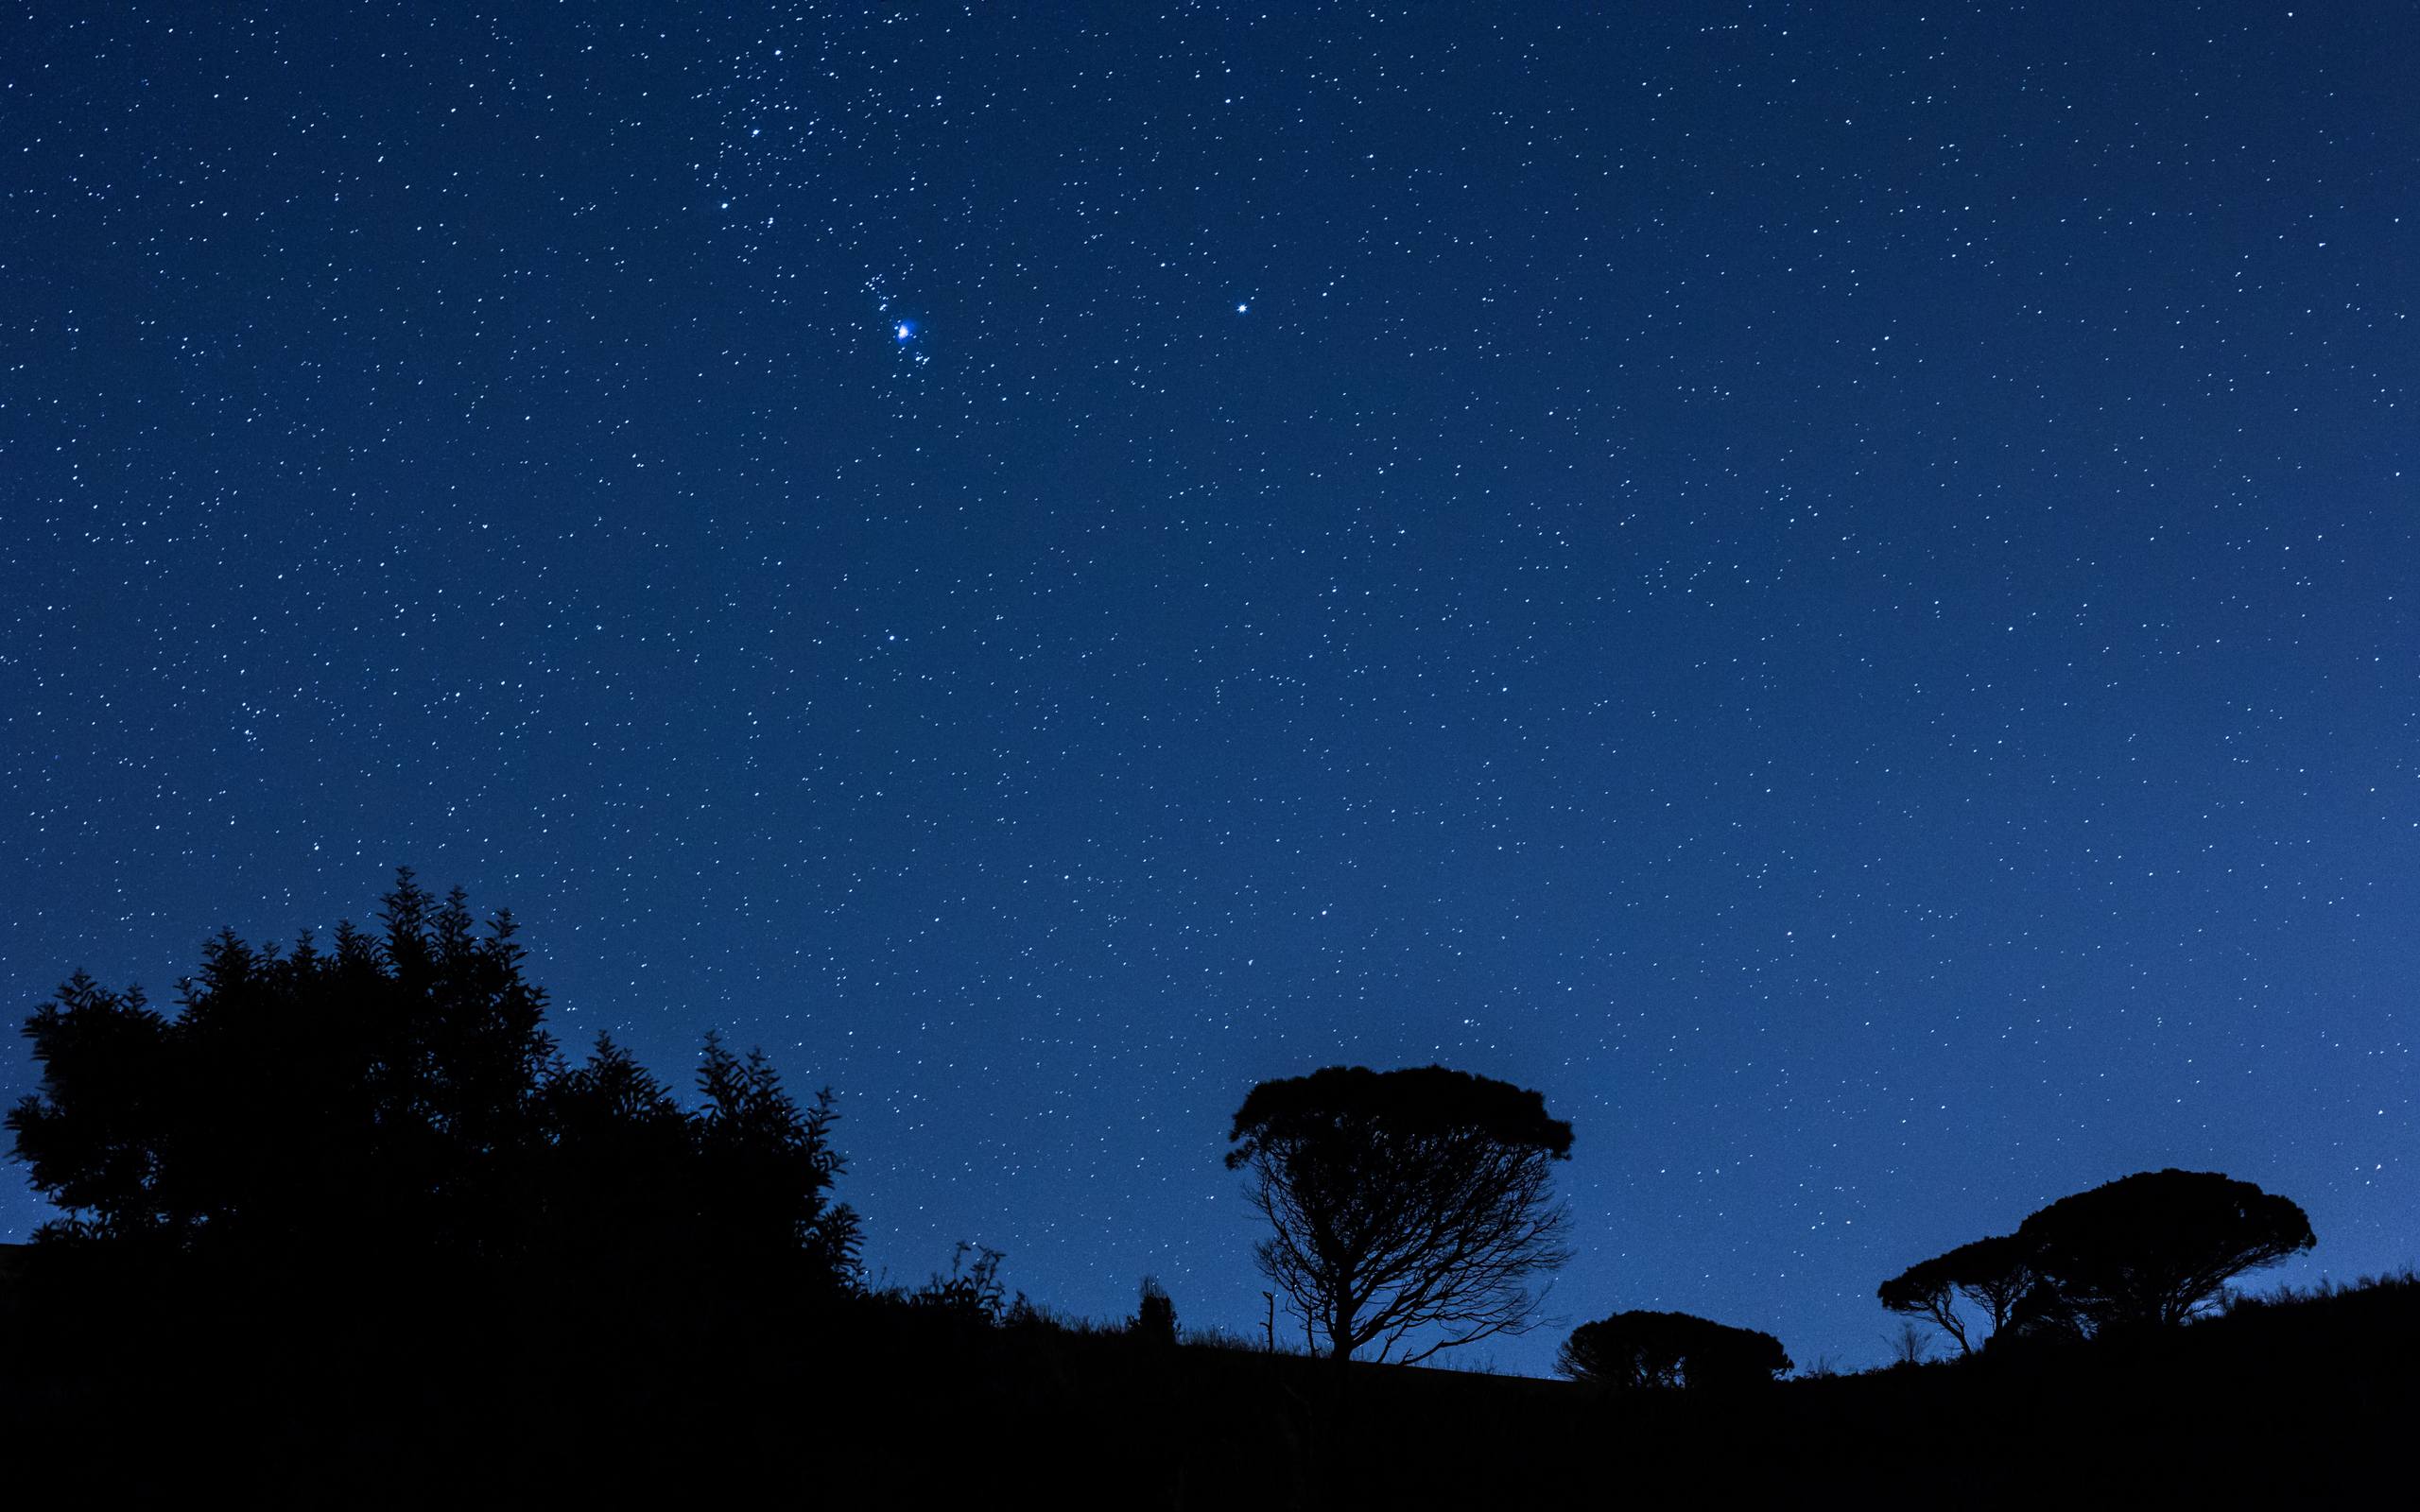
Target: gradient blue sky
(1832, 588)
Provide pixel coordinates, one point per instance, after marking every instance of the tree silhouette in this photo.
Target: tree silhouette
(1994, 1273)
(763, 1166)
(364, 1096)
(610, 1209)
(1154, 1320)
(1403, 1200)
(2155, 1248)
(396, 1096)
(2147, 1250)
(89, 1139)
(1643, 1351)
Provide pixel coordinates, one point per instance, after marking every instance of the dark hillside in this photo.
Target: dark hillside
(2311, 1392)
(490, 1397)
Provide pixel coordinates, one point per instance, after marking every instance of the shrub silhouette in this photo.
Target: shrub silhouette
(971, 1294)
(1401, 1199)
(1645, 1351)
(1155, 1315)
(396, 1096)
(369, 1094)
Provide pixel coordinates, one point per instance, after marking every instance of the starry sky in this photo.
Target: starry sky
(1833, 588)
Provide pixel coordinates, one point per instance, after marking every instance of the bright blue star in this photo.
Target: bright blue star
(904, 330)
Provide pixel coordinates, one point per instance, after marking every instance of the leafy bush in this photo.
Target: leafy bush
(1155, 1315)
(1643, 1350)
(397, 1096)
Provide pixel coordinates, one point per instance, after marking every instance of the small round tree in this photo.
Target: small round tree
(1645, 1351)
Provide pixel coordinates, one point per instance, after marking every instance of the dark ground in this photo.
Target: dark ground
(392, 1388)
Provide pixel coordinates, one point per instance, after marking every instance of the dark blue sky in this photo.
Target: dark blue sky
(1835, 590)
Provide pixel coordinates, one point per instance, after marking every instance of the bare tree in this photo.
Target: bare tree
(1908, 1343)
(1403, 1200)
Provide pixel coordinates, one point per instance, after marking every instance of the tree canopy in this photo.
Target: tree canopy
(397, 1094)
(1644, 1351)
(2155, 1248)
(2147, 1250)
(1402, 1200)
(1994, 1273)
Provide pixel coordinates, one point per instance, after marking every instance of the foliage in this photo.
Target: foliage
(1994, 1273)
(2156, 1249)
(397, 1095)
(970, 1293)
(360, 1094)
(1155, 1315)
(1644, 1351)
(2145, 1251)
(1403, 1200)
(762, 1168)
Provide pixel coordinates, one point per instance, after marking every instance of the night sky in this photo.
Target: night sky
(1836, 589)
